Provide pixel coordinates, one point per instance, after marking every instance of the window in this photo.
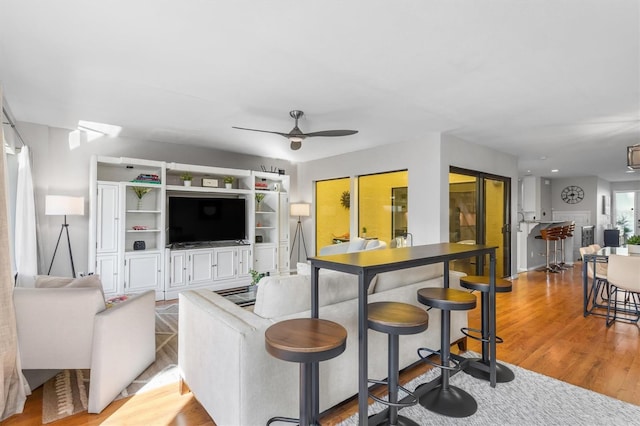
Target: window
(332, 211)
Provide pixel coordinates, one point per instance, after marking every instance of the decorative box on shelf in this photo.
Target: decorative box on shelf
(262, 185)
(209, 183)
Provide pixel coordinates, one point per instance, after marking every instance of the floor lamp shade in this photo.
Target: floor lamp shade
(61, 205)
(301, 209)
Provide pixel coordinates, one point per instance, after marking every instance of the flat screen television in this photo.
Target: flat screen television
(197, 219)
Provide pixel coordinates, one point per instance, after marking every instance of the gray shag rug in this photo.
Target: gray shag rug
(530, 399)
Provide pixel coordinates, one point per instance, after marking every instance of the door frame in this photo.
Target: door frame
(481, 177)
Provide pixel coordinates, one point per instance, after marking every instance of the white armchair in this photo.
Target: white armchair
(70, 328)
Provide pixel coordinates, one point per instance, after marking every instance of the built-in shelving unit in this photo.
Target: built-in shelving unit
(128, 243)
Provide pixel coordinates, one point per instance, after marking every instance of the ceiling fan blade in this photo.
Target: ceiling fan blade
(286, 135)
(332, 133)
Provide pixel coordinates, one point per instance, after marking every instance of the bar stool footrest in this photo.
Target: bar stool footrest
(282, 419)
(425, 358)
(472, 333)
(411, 403)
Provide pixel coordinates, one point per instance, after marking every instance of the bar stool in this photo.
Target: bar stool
(306, 341)
(395, 319)
(548, 235)
(478, 367)
(446, 399)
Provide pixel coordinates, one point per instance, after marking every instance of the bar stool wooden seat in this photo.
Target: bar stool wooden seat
(446, 399)
(548, 235)
(479, 367)
(306, 341)
(567, 230)
(395, 319)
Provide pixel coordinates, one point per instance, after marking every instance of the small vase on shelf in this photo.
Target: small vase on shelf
(139, 206)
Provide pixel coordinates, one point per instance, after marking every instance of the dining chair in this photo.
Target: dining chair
(600, 292)
(624, 274)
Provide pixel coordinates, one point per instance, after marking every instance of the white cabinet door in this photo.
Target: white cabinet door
(283, 257)
(108, 218)
(265, 258)
(107, 269)
(142, 272)
(283, 215)
(225, 263)
(244, 261)
(178, 269)
(201, 266)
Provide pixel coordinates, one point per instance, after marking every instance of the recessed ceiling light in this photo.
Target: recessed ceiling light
(544, 157)
(554, 170)
(528, 171)
(630, 171)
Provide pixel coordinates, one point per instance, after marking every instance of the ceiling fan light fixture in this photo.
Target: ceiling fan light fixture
(296, 138)
(296, 144)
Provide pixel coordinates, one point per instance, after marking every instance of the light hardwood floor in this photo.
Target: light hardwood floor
(541, 322)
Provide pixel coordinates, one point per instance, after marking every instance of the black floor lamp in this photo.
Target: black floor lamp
(60, 205)
(300, 210)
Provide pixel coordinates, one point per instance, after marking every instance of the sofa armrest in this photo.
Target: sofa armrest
(55, 326)
(124, 345)
(219, 348)
(334, 249)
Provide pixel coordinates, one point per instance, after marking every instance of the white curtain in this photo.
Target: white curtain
(12, 391)
(26, 250)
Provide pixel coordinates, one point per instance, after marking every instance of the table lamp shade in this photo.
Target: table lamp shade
(301, 209)
(59, 205)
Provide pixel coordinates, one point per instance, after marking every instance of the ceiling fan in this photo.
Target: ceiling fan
(296, 136)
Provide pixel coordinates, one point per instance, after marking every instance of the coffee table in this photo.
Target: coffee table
(241, 296)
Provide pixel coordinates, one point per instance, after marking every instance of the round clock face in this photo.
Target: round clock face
(572, 194)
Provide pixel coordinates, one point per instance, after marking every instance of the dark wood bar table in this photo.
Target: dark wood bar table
(366, 264)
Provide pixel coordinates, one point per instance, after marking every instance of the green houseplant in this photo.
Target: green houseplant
(186, 178)
(228, 181)
(633, 244)
(140, 192)
(259, 198)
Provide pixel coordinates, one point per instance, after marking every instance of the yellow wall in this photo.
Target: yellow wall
(375, 202)
(332, 219)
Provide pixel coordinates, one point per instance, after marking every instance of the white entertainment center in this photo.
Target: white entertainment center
(129, 243)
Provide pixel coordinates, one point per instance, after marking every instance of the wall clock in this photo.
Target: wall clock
(572, 194)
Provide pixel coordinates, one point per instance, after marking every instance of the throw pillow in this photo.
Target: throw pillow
(45, 281)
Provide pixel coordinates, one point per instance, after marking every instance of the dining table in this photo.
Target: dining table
(590, 303)
(366, 265)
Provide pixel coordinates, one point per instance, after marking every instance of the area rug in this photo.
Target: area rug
(66, 393)
(530, 399)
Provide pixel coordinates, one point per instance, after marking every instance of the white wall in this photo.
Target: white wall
(60, 170)
(421, 159)
(428, 164)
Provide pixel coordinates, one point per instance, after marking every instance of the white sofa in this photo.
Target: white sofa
(70, 328)
(356, 244)
(223, 360)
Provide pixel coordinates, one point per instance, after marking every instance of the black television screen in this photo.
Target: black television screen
(206, 219)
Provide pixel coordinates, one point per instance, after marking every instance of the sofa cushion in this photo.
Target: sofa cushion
(390, 280)
(356, 244)
(288, 294)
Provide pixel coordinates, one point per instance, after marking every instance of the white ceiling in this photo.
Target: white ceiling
(535, 78)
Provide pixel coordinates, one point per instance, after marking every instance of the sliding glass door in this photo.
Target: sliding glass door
(479, 213)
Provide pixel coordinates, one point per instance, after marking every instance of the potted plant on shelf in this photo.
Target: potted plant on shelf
(186, 178)
(140, 192)
(259, 198)
(228, 181)
(364, 232)
(633, 244)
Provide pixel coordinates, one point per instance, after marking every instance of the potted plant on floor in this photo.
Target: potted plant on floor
(633, 244)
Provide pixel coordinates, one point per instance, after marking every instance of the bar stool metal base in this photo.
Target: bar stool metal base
(402, 421)
(451, 402)
(503, 373)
